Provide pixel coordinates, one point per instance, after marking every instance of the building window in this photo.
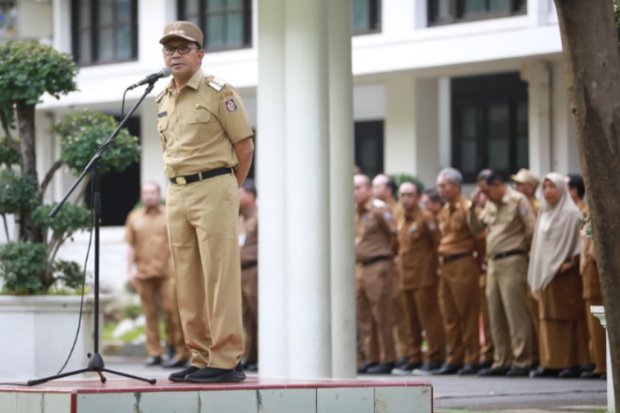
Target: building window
(489, 124)
(457, 11)
(366, 16)
(104, 31)
(369, 147)
(8, 15)
(226, 24)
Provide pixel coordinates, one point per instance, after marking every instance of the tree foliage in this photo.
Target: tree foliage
(401, 178)
(21, 266)
(82, 134)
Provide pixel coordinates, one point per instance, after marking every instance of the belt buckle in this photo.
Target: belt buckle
(181, 180)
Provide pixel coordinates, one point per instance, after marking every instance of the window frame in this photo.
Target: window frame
(246, 9)
(458, 5)
(482, 93)
(94, 28)
(374, 13)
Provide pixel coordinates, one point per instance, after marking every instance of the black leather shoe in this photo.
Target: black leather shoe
(587, 367)
(152, 361)
(486, 364)
(174, 363)
(543, 372)
(179, 376)
(468, 370)
(364, 368)
(604, 376)
(253, 367)
(570, 373)
(246, 363)
(491, 372)
(448, 369)
(403, 361)
(427, 369)
(381, 369)
(217, 375)
(591, 375)
(518, 372)
(405, 370)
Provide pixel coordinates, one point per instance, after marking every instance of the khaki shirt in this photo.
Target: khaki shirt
(147, 233)
(588, 253)
(248, 240)
(510, 223)
(395, 208)
(375, 231)
(199, 126)
(535, 203)
(418, 238)
(456, 238)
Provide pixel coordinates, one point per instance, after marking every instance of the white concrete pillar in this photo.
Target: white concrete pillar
(538, 12)
(565, 154)
(536, 73)
(342, 151)
(397, 17)
(426, 131)
(400, 124)
(307, 189)
(152, 18)
(152, 165)
(271, 179)
(445, 122)
(61, 22)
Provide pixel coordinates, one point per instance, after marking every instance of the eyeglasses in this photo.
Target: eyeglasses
(183, 49)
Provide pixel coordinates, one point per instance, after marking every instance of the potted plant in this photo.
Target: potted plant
(40, 295)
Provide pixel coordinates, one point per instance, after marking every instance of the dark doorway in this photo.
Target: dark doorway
(369, 147)
(120, 191)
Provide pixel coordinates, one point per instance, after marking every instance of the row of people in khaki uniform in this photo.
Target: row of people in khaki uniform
(466, 260)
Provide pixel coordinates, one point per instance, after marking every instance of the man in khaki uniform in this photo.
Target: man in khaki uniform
(458, 287)
(248, 241)
(375, 232)
(510, 222)
(432, 201)
(527, 183)
(384, 189)
(206, 139)
(148, 248)
(418, 238)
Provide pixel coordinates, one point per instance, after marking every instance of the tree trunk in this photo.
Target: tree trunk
(27, 142)
(592, 59)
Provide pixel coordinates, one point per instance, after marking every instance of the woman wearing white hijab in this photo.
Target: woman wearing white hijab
(554, 278)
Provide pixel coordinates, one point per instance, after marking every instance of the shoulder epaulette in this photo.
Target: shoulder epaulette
(160, 96)
(216, 83)
(378, 203)
(467, 205)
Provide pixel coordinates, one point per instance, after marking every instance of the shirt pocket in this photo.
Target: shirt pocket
(162, 127)
(200, 116)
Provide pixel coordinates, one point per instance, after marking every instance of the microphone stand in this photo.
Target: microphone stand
(96, 363)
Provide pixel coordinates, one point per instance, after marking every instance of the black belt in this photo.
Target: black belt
(250, 265)
(373, 260)
(450, 258)
(507, 254)
(183, 180)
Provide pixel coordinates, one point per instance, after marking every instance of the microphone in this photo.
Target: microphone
(152, 78)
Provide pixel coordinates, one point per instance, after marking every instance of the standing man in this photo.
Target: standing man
(248, 241)
(527, 183)
(418, 239)
(206, 139)
(458, 288)
(148, 248)
(375, 232)
(510, 223)
(384, 189)
(432, 201)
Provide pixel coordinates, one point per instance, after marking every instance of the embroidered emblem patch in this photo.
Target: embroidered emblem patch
(413, 228)
(523, 211)
(231, 106)
(431, 225)
(387, 215)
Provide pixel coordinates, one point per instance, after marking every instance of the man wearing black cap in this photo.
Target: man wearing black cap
(207, 145)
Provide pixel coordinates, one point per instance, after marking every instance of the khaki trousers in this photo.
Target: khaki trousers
(532, 308)
(598, 338)
(510, 321)
(404, 344)
(203, 231)
(486, 351)
(374, 298)
(147, 289)
(422, 308)
(563, 343)
(460, 303)
(249, 292)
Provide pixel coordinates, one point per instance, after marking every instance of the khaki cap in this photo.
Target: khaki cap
(183, 30)
(524, 176)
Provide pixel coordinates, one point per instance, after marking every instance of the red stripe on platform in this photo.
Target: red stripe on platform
(91, 386)
(73, 403)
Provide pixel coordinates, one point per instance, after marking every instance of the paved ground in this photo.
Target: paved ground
(457, 394)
